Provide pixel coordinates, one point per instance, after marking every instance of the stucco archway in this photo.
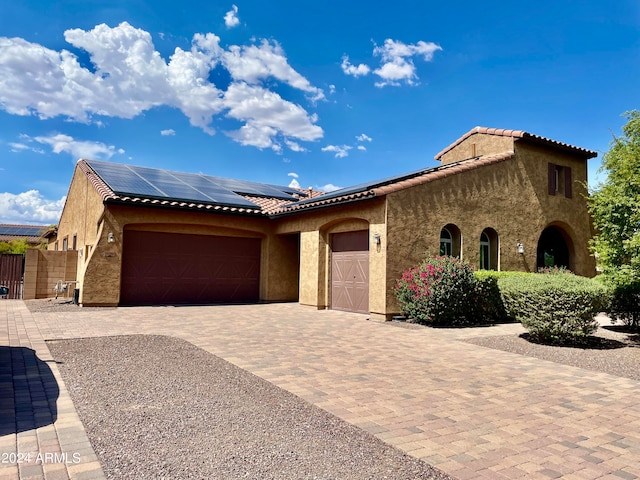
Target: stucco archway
(555, 248)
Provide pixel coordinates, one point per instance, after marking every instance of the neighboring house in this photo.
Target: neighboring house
(33, 234)
(501, 199)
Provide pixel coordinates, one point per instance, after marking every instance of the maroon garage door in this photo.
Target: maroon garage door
(350, 271)
(171, 268)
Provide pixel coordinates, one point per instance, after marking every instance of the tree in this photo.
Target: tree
(615, 208)
(14, 246)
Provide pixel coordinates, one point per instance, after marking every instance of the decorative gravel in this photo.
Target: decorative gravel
(159, 407)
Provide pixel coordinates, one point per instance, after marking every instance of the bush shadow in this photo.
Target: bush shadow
(588, 343)
(28, 391)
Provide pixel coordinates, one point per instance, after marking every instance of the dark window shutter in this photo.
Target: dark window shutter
(567, 182)
(552, 179)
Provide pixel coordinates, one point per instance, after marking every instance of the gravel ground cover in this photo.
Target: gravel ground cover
(159, 407)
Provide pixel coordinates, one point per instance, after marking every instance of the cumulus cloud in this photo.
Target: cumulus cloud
(294, 146)
(341, 151)
(362, 148)
(168, 132)
(363, 138)
(396, 62)
(329, 187)
(17, 147)
(294, 180)
(231, 17)
(353, 70)
(128, 77)
(29, 207)
(60, 143)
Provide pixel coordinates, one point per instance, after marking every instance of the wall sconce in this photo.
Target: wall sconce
(376, 238)
(110, 238)
(520, 248)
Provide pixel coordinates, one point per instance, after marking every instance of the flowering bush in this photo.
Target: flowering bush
(439, 291)
(555, 270)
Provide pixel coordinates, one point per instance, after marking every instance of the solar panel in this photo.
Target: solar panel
(157, 183)
(253, 188)
(21, 230)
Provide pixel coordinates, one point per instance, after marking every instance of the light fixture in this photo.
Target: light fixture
(376, 238)
(520, 248)
(110, 238)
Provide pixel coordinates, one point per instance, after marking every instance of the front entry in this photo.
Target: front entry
(553, 250)
(350, 271)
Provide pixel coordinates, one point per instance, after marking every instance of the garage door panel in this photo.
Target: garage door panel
(168, 268)
(350, 271)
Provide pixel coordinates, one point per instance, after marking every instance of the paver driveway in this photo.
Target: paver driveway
(472, 412)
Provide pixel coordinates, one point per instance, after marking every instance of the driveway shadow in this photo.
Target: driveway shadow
(28, 391)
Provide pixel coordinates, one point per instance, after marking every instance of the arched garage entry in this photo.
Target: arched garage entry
(350, 271)
(555, 248)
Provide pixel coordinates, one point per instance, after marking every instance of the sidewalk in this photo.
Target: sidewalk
(473, 412)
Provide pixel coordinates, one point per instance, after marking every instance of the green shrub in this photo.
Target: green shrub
(490, 305)
(554, 308)
(624, 297)
(439, 291)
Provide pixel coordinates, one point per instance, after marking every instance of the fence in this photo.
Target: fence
(11, 271)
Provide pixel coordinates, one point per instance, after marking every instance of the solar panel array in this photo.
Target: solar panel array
(163, 184)
(21, 230)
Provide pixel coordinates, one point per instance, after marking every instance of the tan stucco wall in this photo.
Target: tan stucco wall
(484, 145)
(316, 228)
(44, 269)
(511, 197)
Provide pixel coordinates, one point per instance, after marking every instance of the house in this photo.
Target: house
(32, 234)
(500, 199)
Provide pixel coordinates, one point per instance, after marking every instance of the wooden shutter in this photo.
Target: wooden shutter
(567, 182)
(552, 179)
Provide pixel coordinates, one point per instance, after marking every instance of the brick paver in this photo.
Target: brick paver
(473, 412)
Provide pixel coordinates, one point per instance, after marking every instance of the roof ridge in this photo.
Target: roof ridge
(516, 134)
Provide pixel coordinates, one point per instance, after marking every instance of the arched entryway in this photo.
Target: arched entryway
(555, 248)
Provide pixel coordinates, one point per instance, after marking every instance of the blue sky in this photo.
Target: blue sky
(322, 94)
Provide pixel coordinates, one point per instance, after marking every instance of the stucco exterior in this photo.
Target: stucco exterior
(493, 184)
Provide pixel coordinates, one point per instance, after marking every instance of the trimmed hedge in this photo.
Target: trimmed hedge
(554, 308)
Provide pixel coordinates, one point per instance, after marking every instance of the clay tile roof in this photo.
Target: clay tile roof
(519, 135)
(442, 172)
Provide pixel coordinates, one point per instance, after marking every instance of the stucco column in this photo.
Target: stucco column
(312, 269)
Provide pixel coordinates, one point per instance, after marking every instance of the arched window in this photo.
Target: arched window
(446, 243)
(489, 252)
(450, 241)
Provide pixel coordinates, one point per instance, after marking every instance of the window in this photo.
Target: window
(489, 250)
(55, 246)
(560, 181)
(446, 243)
(65, 242)
(450, 241)
(74, 242)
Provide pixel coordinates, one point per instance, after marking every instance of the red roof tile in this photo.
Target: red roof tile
(517, 135)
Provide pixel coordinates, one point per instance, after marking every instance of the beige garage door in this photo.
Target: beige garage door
(169, 268)
(350, 271)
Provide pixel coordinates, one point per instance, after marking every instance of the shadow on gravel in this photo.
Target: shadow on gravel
(589, 343)
(28, 391)
(633, 336)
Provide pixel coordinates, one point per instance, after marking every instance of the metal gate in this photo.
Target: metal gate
(11, 271)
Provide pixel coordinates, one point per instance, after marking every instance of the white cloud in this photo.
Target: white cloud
(353, 70)
(168, 132)
(266, 115)
(341, 151)
(329, 187)
(231, 17)
(129, 77)
(294, 146)
(255, 63)
(396, 66)
(78, 149)
(293, 174)
(362, 148)
(29, 207)
(363, 138)
(22, 147)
